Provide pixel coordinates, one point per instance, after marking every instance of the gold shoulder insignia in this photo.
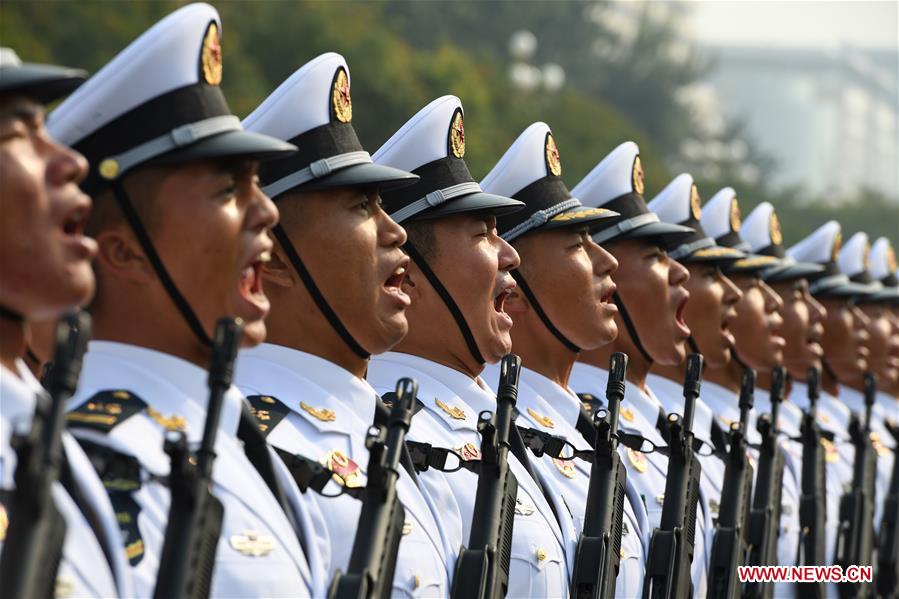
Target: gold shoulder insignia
(454, 412)
(541, 419)
(323, 414)
(268, 412)
(105, 410)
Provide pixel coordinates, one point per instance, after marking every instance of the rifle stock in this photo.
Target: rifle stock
(482, 569)
(812, 510)
(855, 537)
(373, 559)
(195, 514)
(729, 545)
(597, 558)
(764, 518)
(33, 546)
(672, 544)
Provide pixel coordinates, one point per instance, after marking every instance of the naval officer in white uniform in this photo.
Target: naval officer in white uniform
(336, 286)
(182, 231)
(459, 281)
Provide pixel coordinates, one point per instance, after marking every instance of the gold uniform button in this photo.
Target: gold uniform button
(541, 555)
(416, 581)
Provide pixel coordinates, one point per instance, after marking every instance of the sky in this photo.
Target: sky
(811, 24)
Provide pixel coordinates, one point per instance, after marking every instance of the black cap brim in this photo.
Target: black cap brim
(379, 175)
(798, 270)
(667, 234)
(481, 201)
(889, 295)
(843, 290)
(45, 83)
(231, 143)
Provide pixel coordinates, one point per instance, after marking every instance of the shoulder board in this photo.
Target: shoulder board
(268, 411)
(590, 402)
(127, 511)
(389, 397)
(105, 410)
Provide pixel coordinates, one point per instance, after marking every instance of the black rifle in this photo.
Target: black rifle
(764, 518)
(671, 546)
(888, 543)
(482, 569)
(855, 536)
(195, 514)
(729, 545)
(373, 559)
(598, 555)
(812, 509)
(33, 547)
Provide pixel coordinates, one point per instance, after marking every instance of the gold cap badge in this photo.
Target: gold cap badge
(774, 231)
(891, 259)
(695, 209)
(457, 135)
(455, 412)
(340, 97)
(211, 56)
(637, 175)
(553, 164)
(323, 414)
(541, 419)
(837, 244)
(866, 257)
(735, 221)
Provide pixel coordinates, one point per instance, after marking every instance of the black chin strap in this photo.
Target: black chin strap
(147, 245)
(447, 301)
(11, 315)
(736, 358)
(631, 329)
(316, 294)
(528, 293)
(829, 369)
(694, 347)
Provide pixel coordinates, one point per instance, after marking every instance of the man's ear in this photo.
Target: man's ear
(278, 271)
(120, 256)
(516, 303)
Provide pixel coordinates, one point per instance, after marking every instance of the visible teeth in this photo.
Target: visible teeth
(400, 270)
(265, 257)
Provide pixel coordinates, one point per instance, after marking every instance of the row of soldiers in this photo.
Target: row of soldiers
(509, 459)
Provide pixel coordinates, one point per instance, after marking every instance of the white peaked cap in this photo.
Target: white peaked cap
(159, 99)
(822, 247)
(313, 109)
(761, 230)
(853, 257)
(672, 204)
(522, 164)
(432, 145)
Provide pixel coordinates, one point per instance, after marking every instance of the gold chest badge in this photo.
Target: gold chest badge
(566, 467)
(544, 421)
(346, 470)
(340, 97)
(211, 57)
(831, 454)
(252, 544)
(469, 451)
(627, 414)
(454, 412)
(637, 459)
(323, 414)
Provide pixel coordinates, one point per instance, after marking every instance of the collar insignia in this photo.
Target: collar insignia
(407, 527)
(169, 423)
(454, 412)
(544, 421)
(323, 414)
(522, 508)
(253, 544)
(211, 56)
(627, 414)
(340, 97)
